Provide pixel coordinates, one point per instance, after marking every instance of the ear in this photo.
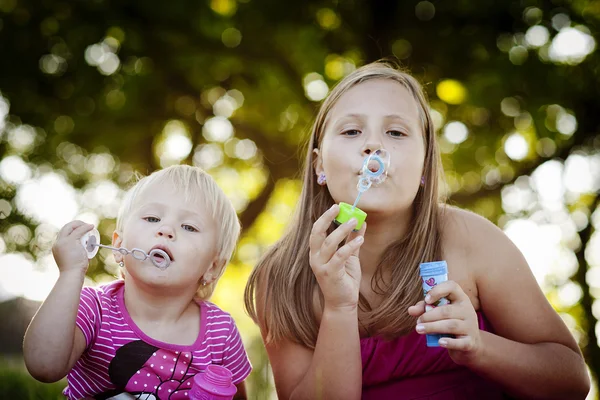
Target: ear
(214, 271)
(117, 240)
(317, 162)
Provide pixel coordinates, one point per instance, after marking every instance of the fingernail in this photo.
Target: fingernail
(359, 239)
(427, 298)
(420, 328)
(419, 320)
(443, 342)
(352, 221)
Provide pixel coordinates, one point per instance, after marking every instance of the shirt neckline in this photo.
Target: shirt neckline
(163, 345)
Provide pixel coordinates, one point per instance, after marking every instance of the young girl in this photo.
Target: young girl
(342, 312)
(148, 334)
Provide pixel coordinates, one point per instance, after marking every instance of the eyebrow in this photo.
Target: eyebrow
(362, 116)
(161, 205)
(343, 118)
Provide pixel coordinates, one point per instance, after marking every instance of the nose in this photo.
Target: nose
(371, 140)
(370, 146)
(165, 231)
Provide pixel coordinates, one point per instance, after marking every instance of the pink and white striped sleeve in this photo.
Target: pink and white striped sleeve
(88, 314)
(235, 358)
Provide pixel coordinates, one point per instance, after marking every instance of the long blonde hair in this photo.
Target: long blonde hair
(286, 280)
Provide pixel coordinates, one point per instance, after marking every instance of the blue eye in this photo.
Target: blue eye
(152, 219)
(396, 134)
(189, 228)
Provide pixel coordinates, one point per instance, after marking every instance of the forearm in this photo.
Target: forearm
(336, 368)
(532, 371)
(48, 342)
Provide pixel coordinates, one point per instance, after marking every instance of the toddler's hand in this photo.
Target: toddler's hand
(68, 251)
(457, 318)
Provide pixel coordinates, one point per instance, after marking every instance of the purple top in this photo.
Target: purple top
(406, 368)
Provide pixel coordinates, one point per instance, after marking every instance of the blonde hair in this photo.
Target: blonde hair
(284, 273)
(195, 185)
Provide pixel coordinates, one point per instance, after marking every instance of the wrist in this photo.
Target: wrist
(351, 309)
(72, 273)
(475, 359)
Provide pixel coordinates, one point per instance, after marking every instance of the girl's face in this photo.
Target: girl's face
(372, 115)
(185, 230)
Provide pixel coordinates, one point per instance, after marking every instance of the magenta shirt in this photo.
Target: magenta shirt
(120, 358)
(405, 368)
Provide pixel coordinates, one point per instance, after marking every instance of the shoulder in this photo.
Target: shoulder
(457, 222)
(479, 246)
(471, 233)
(104, 290)
(213, 310)
(216, 319)
(104, 295)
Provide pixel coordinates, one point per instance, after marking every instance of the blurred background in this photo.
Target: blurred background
(92, 91)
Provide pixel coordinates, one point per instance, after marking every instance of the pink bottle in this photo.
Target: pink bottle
(214, 384)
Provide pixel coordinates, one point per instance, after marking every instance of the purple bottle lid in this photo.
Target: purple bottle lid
(215, 380)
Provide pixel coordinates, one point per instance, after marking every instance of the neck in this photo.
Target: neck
(156, 305)
(382, 231)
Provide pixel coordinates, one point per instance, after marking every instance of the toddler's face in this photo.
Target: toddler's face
(161, 218)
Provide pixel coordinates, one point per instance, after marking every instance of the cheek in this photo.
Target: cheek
(336, 164)
(409, 161)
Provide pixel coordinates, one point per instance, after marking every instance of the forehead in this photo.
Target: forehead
(169, 194)
(377, 98)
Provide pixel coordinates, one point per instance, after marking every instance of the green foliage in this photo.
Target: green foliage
(18, 384)
(95, 89)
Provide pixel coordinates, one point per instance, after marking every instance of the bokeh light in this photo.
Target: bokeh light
(451, 91)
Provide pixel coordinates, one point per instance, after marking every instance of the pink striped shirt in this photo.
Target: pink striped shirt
(120, 358)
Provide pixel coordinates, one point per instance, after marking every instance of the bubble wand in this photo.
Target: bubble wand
(90, 242)
(373, 172)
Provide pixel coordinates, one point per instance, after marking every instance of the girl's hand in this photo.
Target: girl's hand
(457, 318)
(337, 270)
(68, 251)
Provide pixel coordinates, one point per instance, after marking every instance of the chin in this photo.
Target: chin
(155, 276)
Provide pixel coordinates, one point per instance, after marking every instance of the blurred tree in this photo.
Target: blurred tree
(93, 91)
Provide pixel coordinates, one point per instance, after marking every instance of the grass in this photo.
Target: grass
(16, 383)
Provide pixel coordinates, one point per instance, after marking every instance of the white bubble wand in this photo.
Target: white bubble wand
(90, 242)
(373, 173)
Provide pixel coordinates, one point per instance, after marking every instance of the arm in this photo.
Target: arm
(235, 359)
(52, 342)
(241, 391)
(333, 370)
(533, 355)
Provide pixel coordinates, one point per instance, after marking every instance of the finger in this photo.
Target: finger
(331, 244)
(448, 326)
(69, 228)
(447, 311)
(463, 343)
(354, 234)
(319, 229)
(81, 230)
(449, 289)
(417, 310)
(338, 260)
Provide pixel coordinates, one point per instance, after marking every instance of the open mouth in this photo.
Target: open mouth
(160, 256)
